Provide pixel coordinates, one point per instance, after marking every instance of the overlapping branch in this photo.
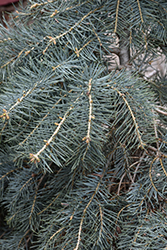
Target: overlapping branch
(35, 157)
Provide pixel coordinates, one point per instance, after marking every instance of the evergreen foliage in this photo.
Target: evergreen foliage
(83, 155)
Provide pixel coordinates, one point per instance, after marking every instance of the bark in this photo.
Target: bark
(124, 46)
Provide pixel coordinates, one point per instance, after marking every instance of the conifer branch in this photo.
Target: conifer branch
(11, 171)
(83, 216)
(35, 197)
(101, 220)
(23, 237)
(35, 157)
(118, 215)
(49, 204)
(140, 11)
(24, 96)
(97, 38)
(58, 231)
(88, 138)
(163, 167)
(53, 39)
(68, 8)
(25, 184)
(78, 51)
(114, 169)
(8, 62)
(161, 112)
(150, 175)
(41, 4)
(133, 117)
(116, 18)
(42, 120)
(13, 215)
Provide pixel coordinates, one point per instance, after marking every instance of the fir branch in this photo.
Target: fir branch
(150, 175)
(42, 120)
(140, 11)
(35, 197)
(78, 51)
(11, 171)
(42, 211)
(108, 190)
(83, 216)
(58, 231)
(133, 117)
(26, 183)
(40, 4)
(53, 39)
(35, 157)
(23, 237)
(163, 167)
(116, 18)
(88, 138)
(68, 8)
(100, 43)
(161, 112)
